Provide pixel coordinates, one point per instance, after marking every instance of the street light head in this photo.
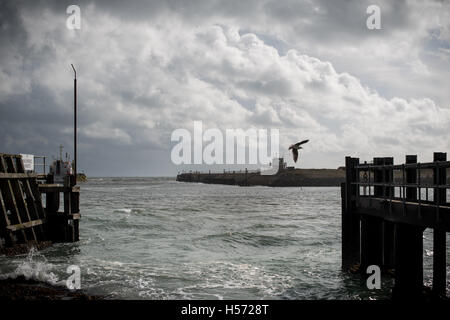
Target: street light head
(74, 70)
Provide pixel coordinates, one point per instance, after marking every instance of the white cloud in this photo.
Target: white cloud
(140, 80)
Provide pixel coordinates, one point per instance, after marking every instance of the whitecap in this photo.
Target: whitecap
(34, 267)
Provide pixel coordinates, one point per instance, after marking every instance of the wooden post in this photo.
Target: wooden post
(409, 248)
(388, 226)
(411, 178)
(350, 221)
(372, 228)
(51, 198)
(388, 176)
(409, 261)
(378, 176)
(439, 235)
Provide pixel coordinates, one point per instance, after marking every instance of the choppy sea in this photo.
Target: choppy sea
(156, 238)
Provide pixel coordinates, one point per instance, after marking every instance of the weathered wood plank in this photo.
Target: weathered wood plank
(19, 164)
(2, 165)
(11, 175)
(15, 208)
(62, 215)
(44, 188)
(38, 199)
(26, 225)
(33, 206)
(16, 163)
(4, 211)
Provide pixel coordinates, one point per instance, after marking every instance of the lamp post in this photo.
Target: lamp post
(75, 124)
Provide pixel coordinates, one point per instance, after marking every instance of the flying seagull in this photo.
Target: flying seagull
(295, 148)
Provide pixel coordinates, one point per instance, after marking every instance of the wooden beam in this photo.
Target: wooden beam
(16, 209)
(44, 188)
(33, 204)
(379, 207)
(38, 199)
(19, 192)
(3, 209)
(25, 225)
(15, 175)
(62, 215)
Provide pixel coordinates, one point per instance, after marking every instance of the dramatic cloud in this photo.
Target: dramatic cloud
(149, 68)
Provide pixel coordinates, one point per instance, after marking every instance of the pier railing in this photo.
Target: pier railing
(386, 208)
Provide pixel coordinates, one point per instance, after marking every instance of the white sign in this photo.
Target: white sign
(28, 162)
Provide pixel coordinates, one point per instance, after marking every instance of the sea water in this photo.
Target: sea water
(156, 238)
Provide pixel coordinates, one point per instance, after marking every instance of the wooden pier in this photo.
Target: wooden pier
(386, 208)
(24, 221)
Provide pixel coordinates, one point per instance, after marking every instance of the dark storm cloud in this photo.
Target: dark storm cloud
(149, 67)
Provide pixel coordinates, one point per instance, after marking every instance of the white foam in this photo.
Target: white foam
(124, 210)
(34, 267)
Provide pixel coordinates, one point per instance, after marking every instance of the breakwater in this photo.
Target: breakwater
(284, 178)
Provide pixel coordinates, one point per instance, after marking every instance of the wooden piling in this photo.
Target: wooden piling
(350, 220)
(411, 178)
(439, 232)
(63, 226)
(388, 226)
(409, 248)
(372, 227)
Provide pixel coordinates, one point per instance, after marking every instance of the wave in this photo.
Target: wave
(127, 210)
(255, 240)
(34, 267)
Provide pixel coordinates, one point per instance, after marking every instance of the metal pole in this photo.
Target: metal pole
(75, 124)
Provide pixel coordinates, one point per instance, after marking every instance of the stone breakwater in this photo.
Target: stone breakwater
(284, 178)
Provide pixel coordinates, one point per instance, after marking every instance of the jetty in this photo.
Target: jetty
(285, 177)
(385, 210)
(24, 221)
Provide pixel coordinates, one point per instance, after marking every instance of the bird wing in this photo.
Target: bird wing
(302, 142)
(295, 154)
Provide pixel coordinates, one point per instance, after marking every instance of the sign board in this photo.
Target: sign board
(28, 162)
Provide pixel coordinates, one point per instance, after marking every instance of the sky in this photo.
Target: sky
(311, 69)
